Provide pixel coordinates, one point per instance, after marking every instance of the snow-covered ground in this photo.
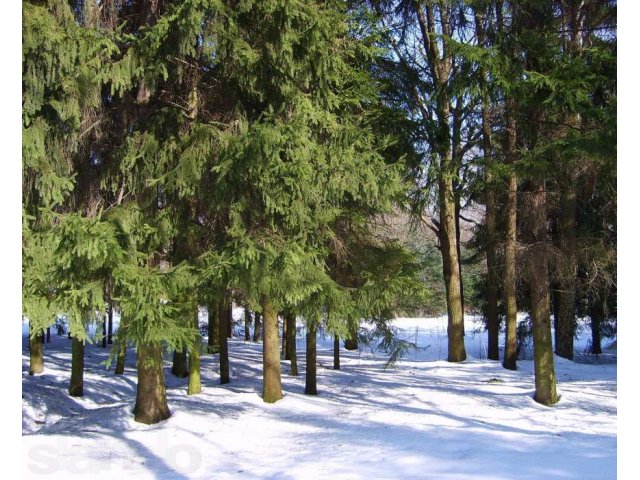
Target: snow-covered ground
(425, 418)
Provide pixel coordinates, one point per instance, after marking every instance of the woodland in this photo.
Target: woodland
(325, 164)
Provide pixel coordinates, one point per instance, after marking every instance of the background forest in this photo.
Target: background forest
(325, 167)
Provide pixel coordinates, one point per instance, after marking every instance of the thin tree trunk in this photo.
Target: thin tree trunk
(48, 334)
(545, 378)
(596, 314)
(76, 386)
(247, 325)
(257, 327)
(509, 286)
(311, 382)
(284, 352)
(271, 381)
(104, 331)
(291, 354)
(110, 326)
(213, 327)
(195, 384)
(336, 352)
(229, 318)
(225, 313)
(179, 368)
(151, 396)
(36, 357)
(122, 353)
(493, 321)
(567, 271)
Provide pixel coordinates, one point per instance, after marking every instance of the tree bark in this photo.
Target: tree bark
(596, 313)
(509, 280)
(545, 378)
(292, 354)
(151, 396)
(48, 334)
(195, 384)
(247, 325)
(336, 352)
(271, 381)
(179, 368)
(225, 312)
(36, 357)
(110, 326)
(104, 331)
(311, 382)
(122, 353)
(493, 321)
(76, 386)
(284, 352)
(257, 327)
(213, 327)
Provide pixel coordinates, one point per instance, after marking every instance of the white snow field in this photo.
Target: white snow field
(424, 419)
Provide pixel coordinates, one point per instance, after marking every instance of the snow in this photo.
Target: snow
(425, 418)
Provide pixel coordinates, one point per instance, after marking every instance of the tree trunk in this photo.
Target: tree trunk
(110, 326)
(122, 353)
(567, 269)
(292, 354)
(451, 270)
(48, 334)
(104, 331)
(493, 321)
(36, 357)
(247, 325)
(257, 327)
(336, 352)
(225, 312)
(271, 381)
(195, 384)
(151, 396)
(76, 386)
(213, 327)
(284, 352)
(545, 378)
(509, 285)
(229, 318)
(596, 313)
(311, 382)
(179, 368)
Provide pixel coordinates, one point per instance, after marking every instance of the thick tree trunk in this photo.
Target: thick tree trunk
(76, 386)
(292, 354)
(257, 327)
(596, 313)
(225, 312)
(509, 285)
(545, 378)
(36, 357)
(336, 352)
(213, 327)
(311, 382)
(247, 325)
(195, 384)
(271, 381)
(151, 396)
(179, 368)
